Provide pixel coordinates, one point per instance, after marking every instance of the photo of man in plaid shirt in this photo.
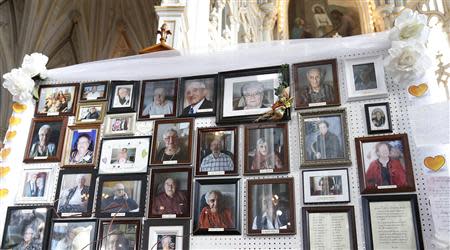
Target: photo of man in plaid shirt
(216, 161)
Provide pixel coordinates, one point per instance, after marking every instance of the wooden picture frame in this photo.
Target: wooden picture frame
(399, 176)
(224, 159)
(90, 113)
(328, 219)
(156, 231)
(399, 214)
(119, 230)
(50, 136)
(323, 75)
(57, 100)
(126, 100)
(36, 185)
(277, 193)
(326, 186)
(94, 91)
(198, 93)
(150, 106)
(120, 124)
(266, 149)
(79, 229)
(378, 118)
(81, 138)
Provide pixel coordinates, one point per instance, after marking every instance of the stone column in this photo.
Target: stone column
(173, 13)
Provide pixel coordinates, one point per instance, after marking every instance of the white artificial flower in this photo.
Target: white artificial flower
(407, 61)
(34, 64)
(410, 25)
(19, 84)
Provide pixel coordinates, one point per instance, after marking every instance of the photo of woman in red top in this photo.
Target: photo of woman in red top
(215, 215)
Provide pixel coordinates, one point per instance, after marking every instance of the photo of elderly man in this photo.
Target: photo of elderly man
(198, 94)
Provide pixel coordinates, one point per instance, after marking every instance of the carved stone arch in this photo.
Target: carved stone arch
(65, 52)
(120, 43)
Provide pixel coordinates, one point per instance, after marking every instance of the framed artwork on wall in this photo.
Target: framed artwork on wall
(166, 234)
(35, 186)
(326, 186)
(73, 234)
(378, 118)
(119, 234)
(158, 99)
(94, 91)
(81, 147)
(57, 100)
(123, 96)
(120, 124)
(197, 96)
(91, 112)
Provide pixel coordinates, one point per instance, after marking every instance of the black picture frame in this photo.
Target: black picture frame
(415, 213)
(70, 211)
(384, 122)
(349, 210)
(69, 97)
(201, 207)
(116, 179)
(332, 194)
(164, 226)
(110, 224)
(133, 99)
(78, 243)
(208, 107)
(224, 114)
(161, 84)
(34, 221)
(83, 96)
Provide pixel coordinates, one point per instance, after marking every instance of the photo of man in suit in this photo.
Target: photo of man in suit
(195, 95)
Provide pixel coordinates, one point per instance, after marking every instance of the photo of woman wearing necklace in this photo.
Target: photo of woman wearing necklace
(81, 147)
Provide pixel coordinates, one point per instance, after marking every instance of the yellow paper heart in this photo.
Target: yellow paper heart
(10, 135)
(418, 90)
(4, 171)
(14, 120)
(434, 163)
(3, 193)
(5, 152)
(18, 107)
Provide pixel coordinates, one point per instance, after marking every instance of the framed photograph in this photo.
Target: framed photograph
(73, 234)
(158, 99)
(81, 146)
(35, 186)
(365, 78)
(75, 192)
(321, 226)
(324, 138)
(166, 234)
(123, 96)
(57, 100)
(316, 84)
(384, 164)
(120, 124)
(247, 94)
(172, 143)
(45, 140)
(197, 96)
(92, 112)
(378, 118)
(119, 234)
(121, 196)
(217, 151)
(26, 228)
(271, 207)
(392, 222)
(170, 193)
(217, 207)
(94, 91)
(326, 186)
(124, 155)
(266, 149)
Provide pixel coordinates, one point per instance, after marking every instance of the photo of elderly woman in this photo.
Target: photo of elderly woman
(74, 235)
(83, 143)
(378, 118)
(158, 99)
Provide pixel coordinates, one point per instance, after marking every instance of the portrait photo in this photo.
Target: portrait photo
(120, 124)
(266, 149)
(323, 186)
(217, 207)
(124, 155)
(45, 140)
(123, 96)
(171, 193)
(384, 164)
(172, 143)
(92, 112)
(166, 234)
(121, 234)
(271, 206)
(73, 234)
(316, 84)
(81, 145)
(93, 91)
(246, 94)
(121, 196)
(365, 78)
(35, 186)
(197, 96)
(324, 138)
(57, 100)
(217, 151)
(378, 118)
(26, 228)
(158, 99)
(75, 192)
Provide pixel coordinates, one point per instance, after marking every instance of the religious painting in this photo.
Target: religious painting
(57, 100)
(119, 234)
(378, 118)
(94, 91)
(326, 186)
(120, 124)
(123, 96)
(384, 164)
(197, 96)
(266, 149)
(35, 186)
(217, 207)
(324, 138)
(217, 151)
(92, 112)
(316, 84)
(81, 146)
(73, 234)
(166, 234)
(158, 99)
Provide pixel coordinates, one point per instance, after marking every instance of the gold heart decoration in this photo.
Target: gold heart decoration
(5, 152)
(14, 120)
(434, 163)
(4, 171)
(3, 192)
(18, 107)
(418, 90)
(10, 135)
